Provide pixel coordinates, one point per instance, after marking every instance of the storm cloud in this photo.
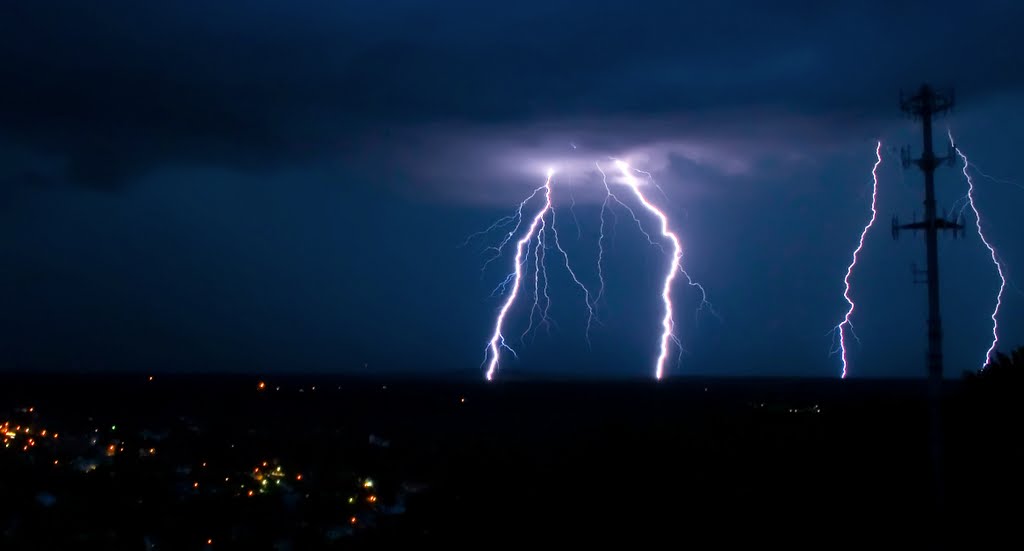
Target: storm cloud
(266, 185)
(119, 89)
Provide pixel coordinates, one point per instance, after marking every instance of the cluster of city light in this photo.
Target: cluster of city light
(263, 475)
(24, 435)
(364, 502)
(27, 437)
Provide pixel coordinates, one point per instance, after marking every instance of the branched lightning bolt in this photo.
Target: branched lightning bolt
(499, 223)
(544, 220)
(586, 292)
(504, 221)
(704, 304)
(500, 289)
(497, 341)
(840, 329)
(650, 180)
(675, 266)
(539, 272)
(632, 214)
(991, 250)
(600, 239)
(994, 179)
(606, 205)
(538, 228)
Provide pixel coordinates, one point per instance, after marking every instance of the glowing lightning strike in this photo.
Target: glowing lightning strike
(611, 196)
(544, 220)
(586, 292)
(605, 206)
(538, 291)
(517, 217)
(537, 228)
(600, 239)
(839, 329)
(675, 266)
(497, 341)
(991, 250)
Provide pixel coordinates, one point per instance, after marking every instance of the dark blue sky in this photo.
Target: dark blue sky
(260, 186)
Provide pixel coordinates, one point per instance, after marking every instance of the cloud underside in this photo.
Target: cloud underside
(117, 90)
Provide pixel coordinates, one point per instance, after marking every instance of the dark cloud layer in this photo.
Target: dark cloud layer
(120, 88)
(286, 183)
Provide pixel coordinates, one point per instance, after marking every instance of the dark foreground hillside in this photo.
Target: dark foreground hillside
(194, 462)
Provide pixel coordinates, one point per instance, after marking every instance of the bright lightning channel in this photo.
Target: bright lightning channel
(537, 229)
(606, 205)
(497, 341)
(840, 330)
(991, 250)
(675, 266)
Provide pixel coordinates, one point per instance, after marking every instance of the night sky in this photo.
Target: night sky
(283, 186)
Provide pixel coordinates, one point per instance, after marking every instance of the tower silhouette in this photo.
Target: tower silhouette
(923, 105)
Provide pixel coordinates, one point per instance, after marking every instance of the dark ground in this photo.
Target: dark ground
(683, 461)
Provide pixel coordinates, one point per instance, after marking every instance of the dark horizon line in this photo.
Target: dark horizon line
(448, 376)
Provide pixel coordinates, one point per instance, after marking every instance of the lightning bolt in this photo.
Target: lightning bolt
(675, 266)
(576, 221)
(537, 236)
(606, 205)
(568, 268)
(632, 214)
(502, 222)
(497, 342)
(991, 251)
(538, 292)
(600, 238)
(840, 330)
(994, 179)
(536, 230)
(704, 303)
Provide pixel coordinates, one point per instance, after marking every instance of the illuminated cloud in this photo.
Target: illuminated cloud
(257, 87)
